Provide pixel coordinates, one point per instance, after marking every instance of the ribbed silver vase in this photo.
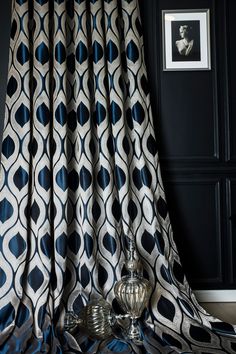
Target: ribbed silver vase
(96, 319)
(133, 293)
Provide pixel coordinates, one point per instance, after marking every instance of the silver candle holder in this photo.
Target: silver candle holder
(132, 292)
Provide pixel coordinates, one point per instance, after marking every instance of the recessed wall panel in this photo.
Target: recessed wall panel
(196, 217)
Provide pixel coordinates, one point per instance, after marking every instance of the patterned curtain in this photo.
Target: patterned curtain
(79, 167)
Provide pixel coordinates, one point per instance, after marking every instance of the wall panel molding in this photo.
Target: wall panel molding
(200, 224)
(231, 225)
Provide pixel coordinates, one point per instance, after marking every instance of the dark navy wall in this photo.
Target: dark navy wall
(195, 121)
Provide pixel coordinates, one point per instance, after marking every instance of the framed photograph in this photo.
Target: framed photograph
(186, 40)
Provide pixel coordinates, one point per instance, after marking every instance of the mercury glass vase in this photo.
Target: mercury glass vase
(133, 293)
(96, 319)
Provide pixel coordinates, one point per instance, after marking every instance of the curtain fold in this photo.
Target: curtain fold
(80, 167)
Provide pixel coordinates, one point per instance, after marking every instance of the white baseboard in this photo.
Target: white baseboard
(215, 295)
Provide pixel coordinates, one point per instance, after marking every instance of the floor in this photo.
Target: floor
(224, 311)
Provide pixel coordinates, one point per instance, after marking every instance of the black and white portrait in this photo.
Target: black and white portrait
(186, 41)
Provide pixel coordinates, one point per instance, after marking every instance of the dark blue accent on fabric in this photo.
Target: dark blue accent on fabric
(126, 145)
(85, 276)
(132, 52)
(62, 178)
(146, 176)
(81, 52)
(162, 207)
(117, 346)
(43, 114)
(44, 178)
(82, 114)
(6, 210)
(35, 211)
(222, 327)
(61, 114)
(85, 178)
(74, 242)
(35, 278)
(120, 177)
(116, 210)
(61, 245)
(115, 112)
(71, 63)
(13, 29)
(100, 113)
(60, 53)
(73, 180)
(21, 2)
(46, 245)
(199, 334)
(166, 308)
(11, 86)
(152, 145)
(42, 53)
(132, 210)
(165, 273)
(102, 275)
(88, 346)
(144, 85)
(112, 51)
(88, 245)
(96, 211)
(103, 178)
(3, 277)
(17, 245)
(137, 178)
(110, 243)
(72, 121)
(22, 115)
(129, 119)
(67, 276)
(23, 315)
(8, 147)
(97, 52)
(42, 2)
(159, 242)
(33, 147)
(22, 54)
(111, 145)
(20, 178)
(138, 113)
(7, 315)
(78, 304)
(148, 242)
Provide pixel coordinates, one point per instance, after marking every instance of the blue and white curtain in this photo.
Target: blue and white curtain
(79, 167)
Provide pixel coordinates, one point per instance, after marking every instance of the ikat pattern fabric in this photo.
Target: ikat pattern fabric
(79, 166)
